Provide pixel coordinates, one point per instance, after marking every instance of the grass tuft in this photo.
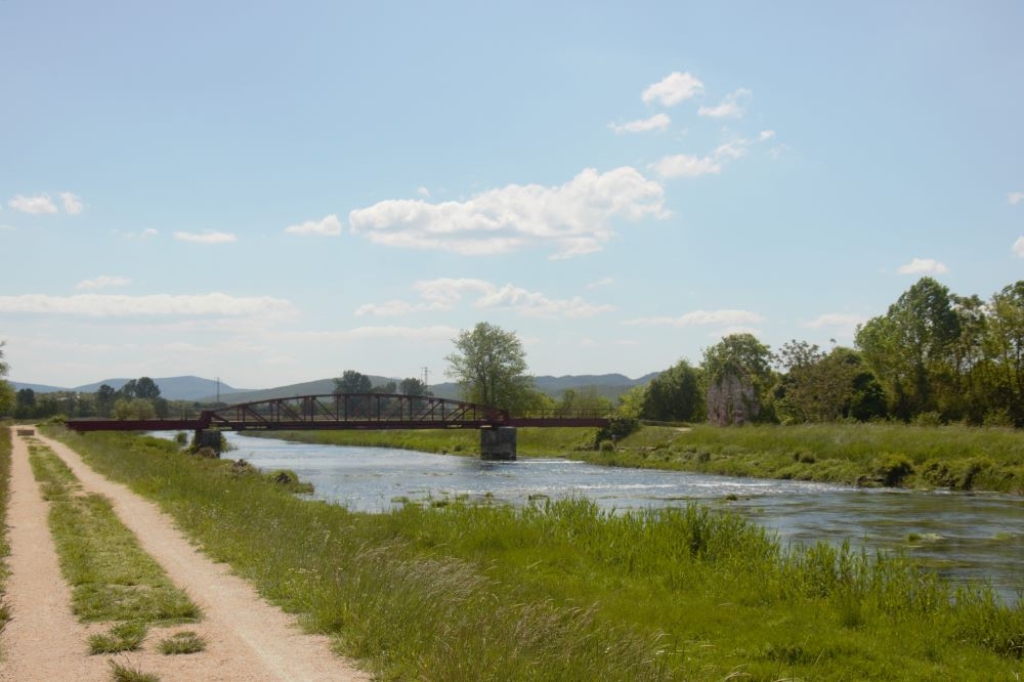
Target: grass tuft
(186, 642)
(121, 637)
(124, 672)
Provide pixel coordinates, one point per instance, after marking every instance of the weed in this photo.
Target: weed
(186, 642)
(126, 636)
(124, 672)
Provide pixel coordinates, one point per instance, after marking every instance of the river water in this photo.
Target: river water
(962, 535)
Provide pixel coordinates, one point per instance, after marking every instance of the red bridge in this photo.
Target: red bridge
(367, 411)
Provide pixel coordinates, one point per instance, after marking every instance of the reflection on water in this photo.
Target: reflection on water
(976, 536)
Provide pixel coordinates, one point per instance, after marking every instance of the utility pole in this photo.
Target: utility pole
(426, 377)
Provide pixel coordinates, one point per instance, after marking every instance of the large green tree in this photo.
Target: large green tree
(738, 374)
(676, 395)
(489, 364)
(352, 381)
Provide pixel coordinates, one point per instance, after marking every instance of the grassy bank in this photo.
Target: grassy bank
(954, 457)
(566, 591)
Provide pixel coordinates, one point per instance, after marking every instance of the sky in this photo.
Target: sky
(272, 193)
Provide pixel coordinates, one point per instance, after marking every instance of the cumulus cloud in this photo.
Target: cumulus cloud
(841, 324)
(446, 293)
(423, 192)
(1018, 247)
(923, 266)
(575, 217)
(692, 166)
(103, 281)
(328, 226)
(37, 204)
(206, 237)
(718, 318)
(147, 233)
(656, 122)
(686, 166)
(1014, 198)
(72, 203)
(97, 305)
(730, 107)
(673, 89)
(607, 281)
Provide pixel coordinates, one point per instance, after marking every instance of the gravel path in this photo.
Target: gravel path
(249, 640)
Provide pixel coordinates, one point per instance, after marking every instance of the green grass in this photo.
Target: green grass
(186, 642)
(127, 636)
(564, 590)
(124, 672)
(5, 548)
(111, 577)
(955, 457)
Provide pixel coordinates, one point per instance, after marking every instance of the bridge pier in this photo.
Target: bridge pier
(498, 444)
(207, 439)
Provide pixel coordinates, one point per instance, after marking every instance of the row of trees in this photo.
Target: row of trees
(933, 356)
(136, 399)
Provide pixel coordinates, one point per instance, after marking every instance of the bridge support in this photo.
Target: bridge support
(207, 439)
(498, 444)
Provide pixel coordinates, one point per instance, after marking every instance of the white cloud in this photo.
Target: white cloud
(103, 281)
(730, 107)
(97, 305)
(643, 125)
(141, 234)
(1015, 198)
(72, 203)
(673, 89)
(686, 166)
(431, 333)
(37, 204)
(733, 149)
(328, 226)
(765, 135)
(445, 293)
(835, 320)
(423, 192)
(576, 217)
(1018, 247)
(607, 281)
(923, 266)
(725, 317)
(206, 237)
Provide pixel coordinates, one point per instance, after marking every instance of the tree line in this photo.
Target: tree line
(933, 357)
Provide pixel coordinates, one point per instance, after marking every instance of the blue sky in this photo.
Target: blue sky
(273, 193)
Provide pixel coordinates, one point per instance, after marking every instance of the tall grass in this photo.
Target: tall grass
(564, 590)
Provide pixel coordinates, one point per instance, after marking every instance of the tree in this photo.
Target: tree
(738, 374)
(352, 381)
(105, 397)
(6, 393)
(413, 386)
(676, 395)
(128, 390)
(25, 404)
(490, 366)
(825, 387)
(147, 389)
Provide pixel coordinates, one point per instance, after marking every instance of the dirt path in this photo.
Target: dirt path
(249, 640)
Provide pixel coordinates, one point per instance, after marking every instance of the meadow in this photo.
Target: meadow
(565, 591)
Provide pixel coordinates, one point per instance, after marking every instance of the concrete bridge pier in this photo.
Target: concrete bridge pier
(498, 444)
(207, 439)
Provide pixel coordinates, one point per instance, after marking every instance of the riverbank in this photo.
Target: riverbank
(870, 455)
(566, 591)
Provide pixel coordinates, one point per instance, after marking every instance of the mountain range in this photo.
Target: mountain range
(206, 390)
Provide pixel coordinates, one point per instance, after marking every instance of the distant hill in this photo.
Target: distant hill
(197, 389)
(171, 388)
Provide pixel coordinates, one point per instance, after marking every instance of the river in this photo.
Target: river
(962, 535)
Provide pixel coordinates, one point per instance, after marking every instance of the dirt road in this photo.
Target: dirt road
(249, 640)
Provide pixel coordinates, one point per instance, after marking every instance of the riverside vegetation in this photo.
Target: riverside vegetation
(563, 590)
